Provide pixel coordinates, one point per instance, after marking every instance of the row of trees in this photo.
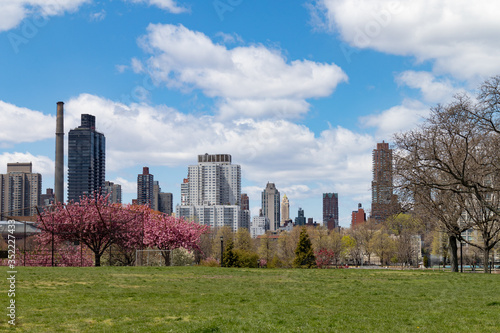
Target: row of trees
(94, 225)
(449, 169)
(391, 242)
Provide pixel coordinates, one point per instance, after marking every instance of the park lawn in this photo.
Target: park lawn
(203, 299)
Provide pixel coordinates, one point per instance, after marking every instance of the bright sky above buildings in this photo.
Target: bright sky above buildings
(298, 92)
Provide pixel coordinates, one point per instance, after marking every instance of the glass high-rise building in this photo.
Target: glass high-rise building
(86, 159)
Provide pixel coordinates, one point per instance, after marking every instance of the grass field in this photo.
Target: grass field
(202, 299)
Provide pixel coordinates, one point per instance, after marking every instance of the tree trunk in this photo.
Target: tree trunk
(166, 256)
(97, 258)
(453, 253)
(486, 257)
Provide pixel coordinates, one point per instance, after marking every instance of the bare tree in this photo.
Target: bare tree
(454, 155)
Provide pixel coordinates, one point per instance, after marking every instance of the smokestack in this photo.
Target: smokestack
(59, 174)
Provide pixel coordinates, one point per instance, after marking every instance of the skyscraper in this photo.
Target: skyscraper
(145, 188)
(185, 192)
(20, 190)
(300, 219)
(214, 193)
(114, 191)
(331, 210)
(383, 200)
(271, 205)
(165, 203)
(245, 202)
(285, 210)
(86, 159)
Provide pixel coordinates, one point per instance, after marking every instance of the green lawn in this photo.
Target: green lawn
(202, 299)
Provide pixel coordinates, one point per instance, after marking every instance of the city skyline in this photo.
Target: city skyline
(299, 95)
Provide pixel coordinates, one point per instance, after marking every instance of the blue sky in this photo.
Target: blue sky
(298, 92)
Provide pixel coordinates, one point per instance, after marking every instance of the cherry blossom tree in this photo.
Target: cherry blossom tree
(96, 223)
(168, 233)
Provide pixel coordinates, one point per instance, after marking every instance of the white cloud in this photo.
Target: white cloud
(229, 38)
(277, 151)
(398, 118)
(99, 16)
(24, 125)
(248, 79)
(433, 90)
(41, 164)
(127, 186)
(14, 11)
(459, 36)
(168, 5)
(137, 65)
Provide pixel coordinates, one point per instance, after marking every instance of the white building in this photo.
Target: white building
(211, 194)
(260, 224)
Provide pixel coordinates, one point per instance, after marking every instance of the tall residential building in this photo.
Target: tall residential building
(114, 191)
(383, 200)
(271, 205)
(259, 226)
(48, 198)
(331, 210)
(285, 210)
(155, 204)
(145, 188)
(214, 193)
(86, 159)
(165, 203)
(358, 217)
(185, 192)
(20, 190)
(245, 202)
(300, 219)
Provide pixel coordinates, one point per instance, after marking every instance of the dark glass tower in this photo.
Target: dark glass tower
(145, 188)
(86, 159)
(331, 210)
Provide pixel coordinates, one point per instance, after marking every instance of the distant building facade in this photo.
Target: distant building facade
(300, 219)
(260, 224)
(245, 202)
(114, 191)
(86, 159)
(213, 193)
(145, 183)
(271, 206)
(358, 217)
(285, 210)
(20, 190)
(384, 202)
(165, 203)
(331, 210)
(48, 198)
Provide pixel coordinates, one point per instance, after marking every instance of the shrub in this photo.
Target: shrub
(247, 259)
(209, 262)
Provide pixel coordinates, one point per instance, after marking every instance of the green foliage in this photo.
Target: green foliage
(304, 254)
(229, 259)
(275, 262)
(246, 259)
(243, 240)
